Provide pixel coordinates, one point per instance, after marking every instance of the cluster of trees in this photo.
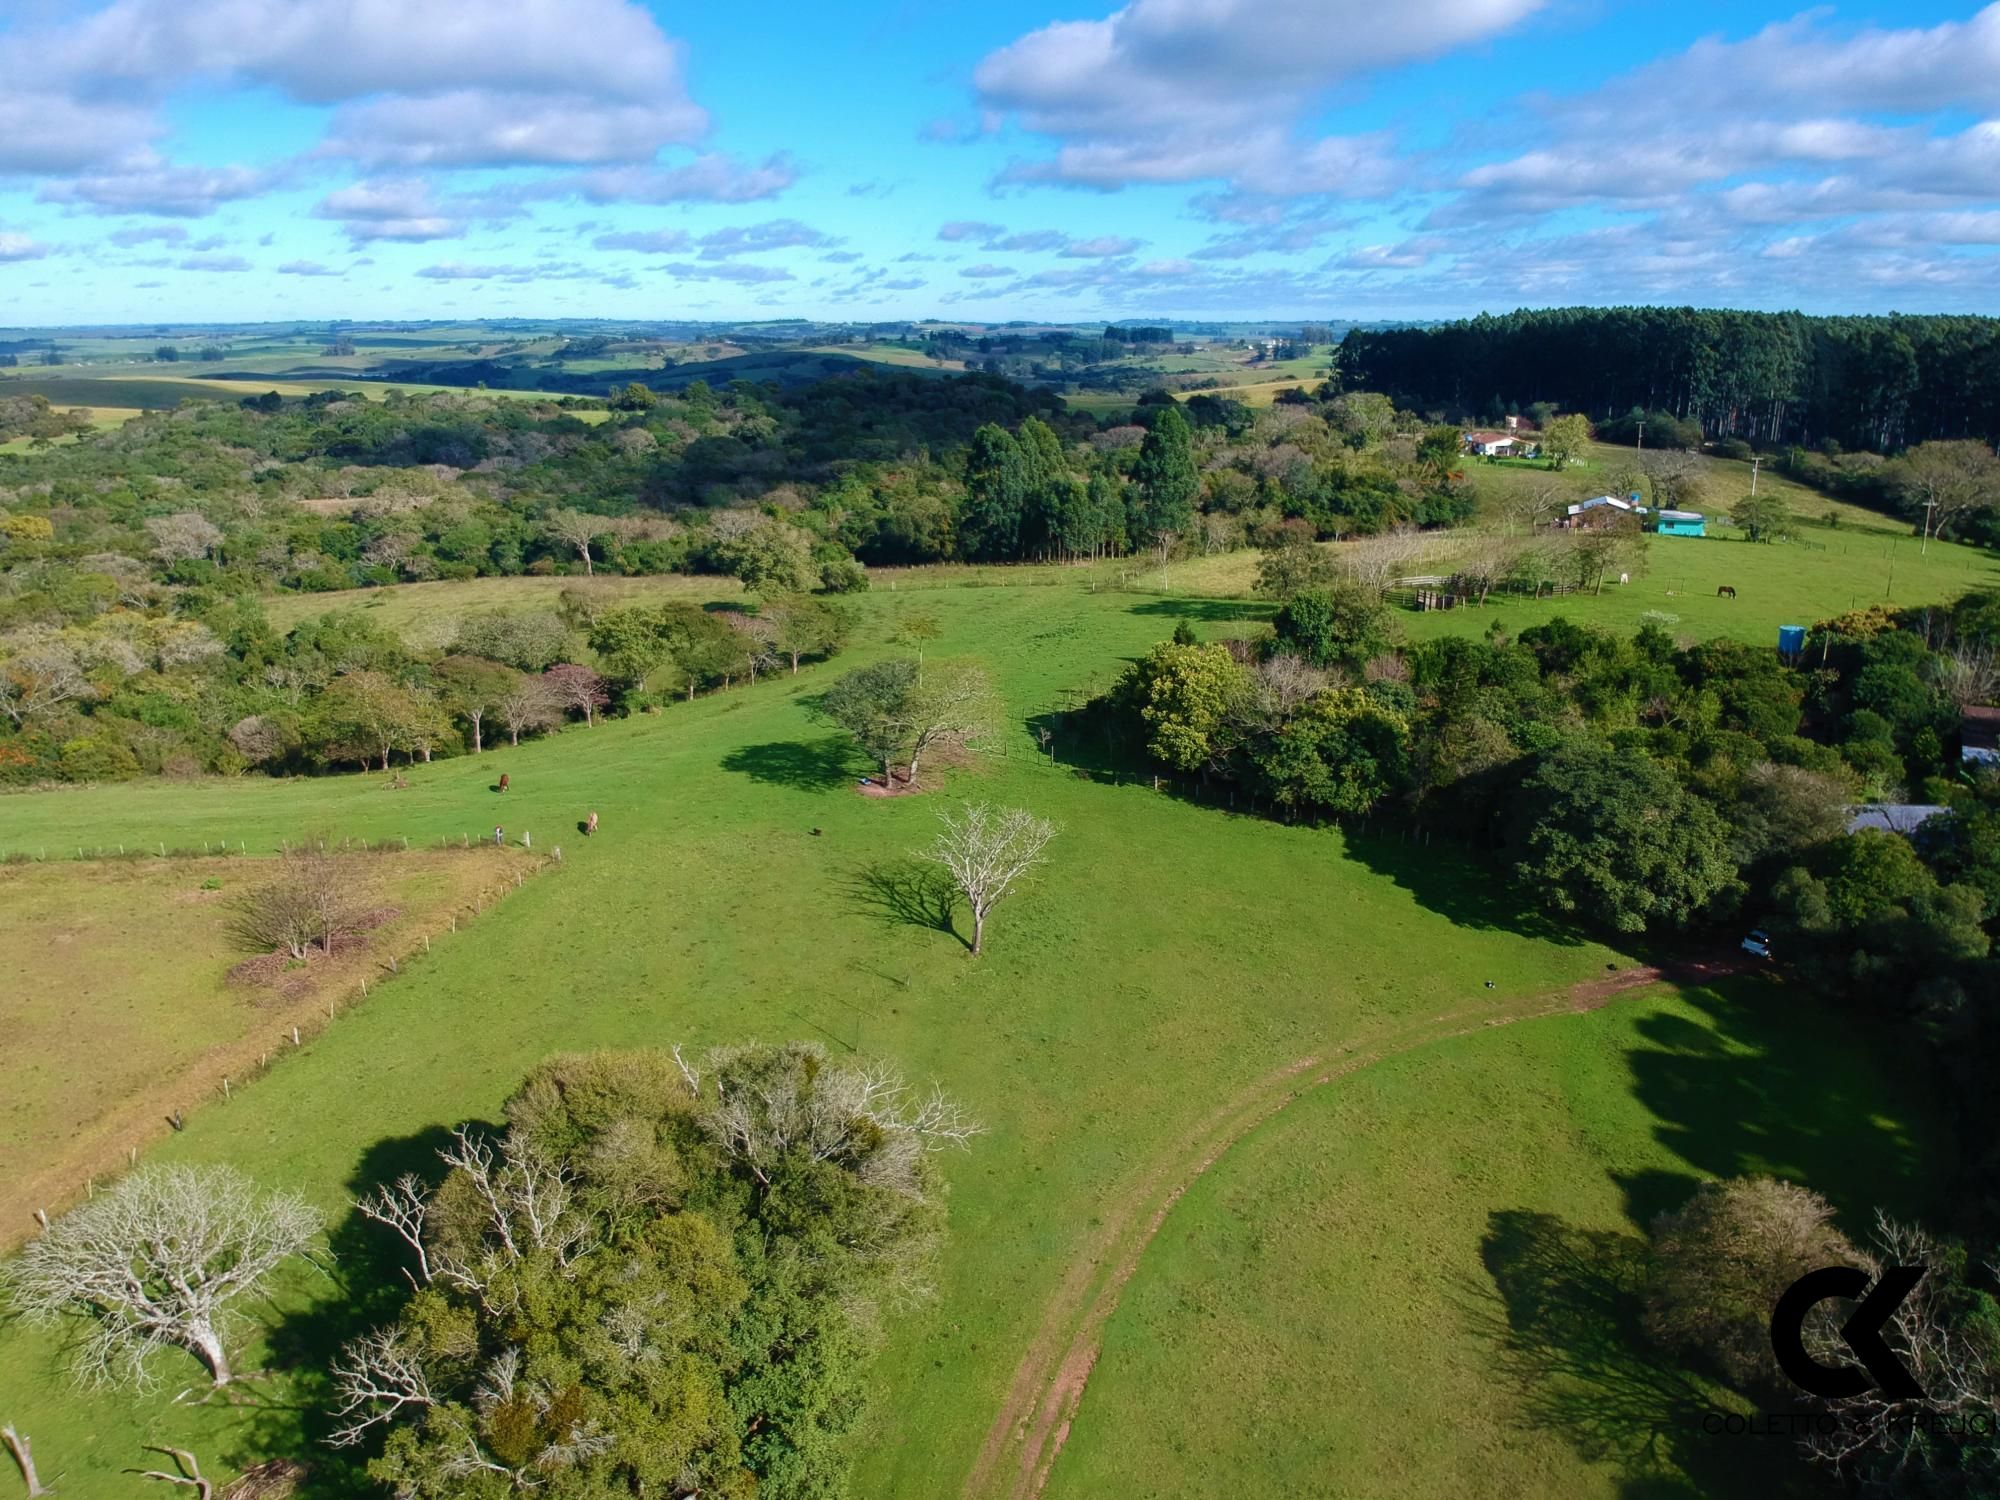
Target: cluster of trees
(34, 418)
(1641, 784)
(1867, 382)
(144, 690)
(1635, 781)
(665, 1277)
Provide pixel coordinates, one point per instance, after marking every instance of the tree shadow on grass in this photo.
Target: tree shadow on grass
(909, 893)
(368, 1272)
(1210, 611)
(1460, 882)
(804, 765)
(1561, 1309)
(1780, 1082)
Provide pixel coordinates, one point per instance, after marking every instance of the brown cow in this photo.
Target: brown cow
(590, 825)
(503, 781)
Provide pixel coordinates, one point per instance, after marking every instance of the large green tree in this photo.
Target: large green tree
(997, 481)
(1611, 837)
(1166, 478)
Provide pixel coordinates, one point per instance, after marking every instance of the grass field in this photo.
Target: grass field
(1419, 1281)
(1170, 957)
(114, 1001)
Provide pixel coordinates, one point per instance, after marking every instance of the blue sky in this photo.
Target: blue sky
(233, 160)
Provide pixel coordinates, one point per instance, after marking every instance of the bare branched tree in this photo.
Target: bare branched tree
(574, 529)
(156, 1262)
(530, 1205)
(309, 902)
(24, 1457)
(1377, 561)
(1285, 682)
(1675, 475)
(375, 1379)
(38, 677)
(950, 703)
(186, 1470)
(183, 536)
(401, 1207)
(985, 852)
(1968, 675)
(763, 1102)
(1529, 506)
(529, 705)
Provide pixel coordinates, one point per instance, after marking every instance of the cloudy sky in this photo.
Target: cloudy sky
(250, 159)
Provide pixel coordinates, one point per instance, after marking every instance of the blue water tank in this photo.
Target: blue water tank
(1791, 639)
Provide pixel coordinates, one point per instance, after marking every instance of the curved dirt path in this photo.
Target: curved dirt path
(1028, 1433)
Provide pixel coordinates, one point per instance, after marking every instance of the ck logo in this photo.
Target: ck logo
(1862, 1333)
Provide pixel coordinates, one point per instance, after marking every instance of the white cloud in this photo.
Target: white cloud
(1194, 90)
(15, 247)
(458, 82)
(148, 184)
(407, 209)
(306, 268)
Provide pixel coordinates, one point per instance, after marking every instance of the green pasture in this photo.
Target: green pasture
(1423, 1280)
(1170, 955)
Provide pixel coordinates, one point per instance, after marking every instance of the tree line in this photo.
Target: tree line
(1879, 383)
(123, 693)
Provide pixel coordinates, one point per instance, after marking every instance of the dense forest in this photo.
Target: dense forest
(1879, 383)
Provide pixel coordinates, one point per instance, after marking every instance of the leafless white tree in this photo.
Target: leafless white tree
(1285, 682)
(156, 1261)
(574, 529)
(183, 536)
(530, 1205)
(985, 852)
(187, 1471)
(950, 703)
(1377, 561)
(38, 678)
(374, 1379)
(401, 1207)
(530, 705)
(1967, 675)
(762, 1102)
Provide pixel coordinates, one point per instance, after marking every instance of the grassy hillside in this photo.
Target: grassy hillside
(1169, 958)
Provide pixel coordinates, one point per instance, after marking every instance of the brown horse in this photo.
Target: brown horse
(1725, 592)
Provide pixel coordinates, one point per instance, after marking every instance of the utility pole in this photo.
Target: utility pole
(1642, 434)
(1755, 459)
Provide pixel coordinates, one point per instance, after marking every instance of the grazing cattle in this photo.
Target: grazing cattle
(503, 781)
(590, 825)
(1725, 592)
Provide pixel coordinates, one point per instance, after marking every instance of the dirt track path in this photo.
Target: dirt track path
(1028, 1433)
